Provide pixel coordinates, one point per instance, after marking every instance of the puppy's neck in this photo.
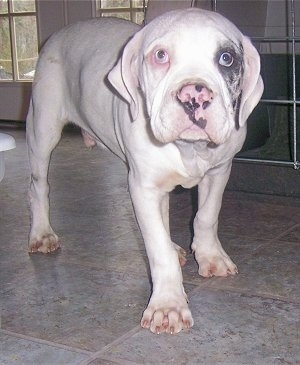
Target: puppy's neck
(196, 157)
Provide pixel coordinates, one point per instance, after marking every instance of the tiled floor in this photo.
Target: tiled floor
(83, 304)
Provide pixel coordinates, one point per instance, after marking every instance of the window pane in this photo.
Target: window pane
(122, 15)
(127, 9)
(26, 45)
(115, 4)
(138, 3)
(5, 51)
(138, 17)
(23, 6)
(3, 7)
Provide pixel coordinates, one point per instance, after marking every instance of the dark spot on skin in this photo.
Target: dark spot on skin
(234, 104)
(237, 102)
(205, 104)
(212, 145)
(190, 108)
(195, 104)
(201, 122)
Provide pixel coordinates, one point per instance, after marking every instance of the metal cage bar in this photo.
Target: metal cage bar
(296, 163)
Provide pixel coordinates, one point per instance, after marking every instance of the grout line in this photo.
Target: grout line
(267, 242)
(248, 293)
(197, 289)
(101, 353)
(276, 238)
(203, 283)
(223, 235)
(96, 267)
(45, 342)
(264, 241)
(118, 341)
(111, 359)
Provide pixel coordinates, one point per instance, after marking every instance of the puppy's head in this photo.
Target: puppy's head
(199, 75)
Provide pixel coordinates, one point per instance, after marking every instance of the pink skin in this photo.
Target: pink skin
(199, 92)
(88, 140)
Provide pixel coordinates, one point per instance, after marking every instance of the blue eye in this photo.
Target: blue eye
(226, 59)
(161, 56)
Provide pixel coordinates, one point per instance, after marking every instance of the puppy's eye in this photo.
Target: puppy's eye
(161, 56)
(226, 59)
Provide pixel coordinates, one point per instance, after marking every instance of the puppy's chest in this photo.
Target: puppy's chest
(180, 165)
(170, 180)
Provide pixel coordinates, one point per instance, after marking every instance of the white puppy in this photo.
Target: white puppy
(183, 88)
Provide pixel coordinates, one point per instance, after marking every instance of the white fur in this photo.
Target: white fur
(144, 124)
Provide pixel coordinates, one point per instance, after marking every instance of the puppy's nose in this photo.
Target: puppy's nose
(195, 96)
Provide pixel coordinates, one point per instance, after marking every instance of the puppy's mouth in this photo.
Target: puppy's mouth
(194, 134)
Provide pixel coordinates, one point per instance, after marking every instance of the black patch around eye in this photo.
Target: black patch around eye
(237, 59)
(233, 74)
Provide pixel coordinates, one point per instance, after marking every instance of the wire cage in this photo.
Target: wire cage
(281, 124)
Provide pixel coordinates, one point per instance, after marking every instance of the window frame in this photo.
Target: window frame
(11, 15)
(132, 10)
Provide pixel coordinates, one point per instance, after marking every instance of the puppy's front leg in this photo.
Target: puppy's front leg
(209, 253)
(167, 309)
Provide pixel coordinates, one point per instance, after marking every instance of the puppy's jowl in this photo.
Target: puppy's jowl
(172, 99)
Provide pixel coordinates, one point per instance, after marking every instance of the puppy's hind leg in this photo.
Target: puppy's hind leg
(43, 133)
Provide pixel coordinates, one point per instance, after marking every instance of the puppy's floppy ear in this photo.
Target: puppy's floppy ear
(253, 86)
(124, 76)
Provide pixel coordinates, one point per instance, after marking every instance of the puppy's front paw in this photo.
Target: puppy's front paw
(218, 264)
(170, 316)
(46, 244)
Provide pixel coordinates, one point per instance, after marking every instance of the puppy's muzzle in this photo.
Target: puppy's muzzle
(195, 99)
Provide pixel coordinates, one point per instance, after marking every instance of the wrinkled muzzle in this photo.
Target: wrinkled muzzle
(194, 111)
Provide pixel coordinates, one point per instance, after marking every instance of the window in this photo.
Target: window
(133, 10)
(18, 40)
